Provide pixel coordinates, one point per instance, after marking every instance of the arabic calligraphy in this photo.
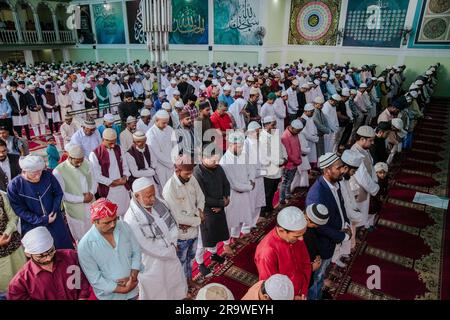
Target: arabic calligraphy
(245, 17)
(189, 21)
(139, 34)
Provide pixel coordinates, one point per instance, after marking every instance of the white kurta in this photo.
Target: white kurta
(119, 195)
(163, 277)
(126, 140)
(163, 145)
(331, 115)
(235, 110)
(267, 110)
(239, 174)
(65, 102)
(114, 91)
(141, 126)
(280, 113)
(301, 178)
(77, 100)
(310, 133)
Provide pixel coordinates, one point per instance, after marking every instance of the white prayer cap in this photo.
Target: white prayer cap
(109, 134)
(179, 105)
(236, 137)
(327, 160)
(176, 93)
(284, 93)
(309, 107)
(432, 69)
(141, 184)
(75, 151)
(37, 241)
(31, 87)
(388, 67)
(139, 136)
(223, 80)
(353, 91)
(227, 88)
(362, 85)
(291, 219)
(253, 91)
(324, 75)
(251, 79)
(131, 119)
(297, 124)
(316, 82)
(414, 94)
(173, 81)
(317, 213)
(214, 291)
(89, 124)
(319, 100)
(345, 92)
(239, 89)
(148, 102)
(108, 118)
(419, 82)
(63, 88)
(366, 132)
(215, 82)
(338, 72)
(32, 163)
(162, 94)
(253, 126)
(88, 86)
(351, 158)
(381, 166)
(295, 82)
(381, 79)
(336, 97)
(268, 119)
(398, 124)
(162, 114)
(305, 86)
(166, 106)
(145, 112)
(279, 287)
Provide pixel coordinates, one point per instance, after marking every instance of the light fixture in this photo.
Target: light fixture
(107, 6)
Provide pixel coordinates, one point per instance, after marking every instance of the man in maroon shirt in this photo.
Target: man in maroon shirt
(50, 274)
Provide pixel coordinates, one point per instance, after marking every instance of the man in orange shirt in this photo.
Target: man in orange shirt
(221, 121)
(277, 287)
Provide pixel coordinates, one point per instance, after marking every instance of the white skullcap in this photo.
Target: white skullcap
(336, 97)
(108, 118)
(251, 79)
(253, 91)
(413, 87)
(353, 91)
(327, 160)
(352, 158)
(291, 219)
(176, 93)
(284, 93)
(75, 151)
(381, 166)
(63, 88)
(214, 291)
(37, 241)
(215, 82)
(131, 119)
(317, 213)
(295, 82)
(279, 287)
(319, 100)
(145, 112)
(324, 75)
(362, 85)
(141, 184)
(88, 85)
(173, 81)
(166, 106)
(397, 123)
(236, 137)
(305, 86)
(338, 72)
(179, 105)
(381, 79)
(148, 102)
(316, 82)
(366, 132)
(227, 88)
(309, 107)
(109, 134)
(239, 89)
(139, 136)
(297, 124)
(162, 114)
(414, 94)
(345, 92)
(32, 163)
(253, 126)
(268, 119)
(419, 82)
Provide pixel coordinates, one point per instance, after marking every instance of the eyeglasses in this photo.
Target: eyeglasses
(46, 254)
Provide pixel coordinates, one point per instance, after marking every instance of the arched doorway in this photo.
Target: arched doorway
(45, 17)
(6, 16)
(62, 16)
(25, 14)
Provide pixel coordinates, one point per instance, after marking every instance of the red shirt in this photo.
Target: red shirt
(223, 123)
(274, 255)
(34, 283)
(293, 149)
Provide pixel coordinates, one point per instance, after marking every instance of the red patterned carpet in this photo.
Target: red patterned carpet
(411, 244)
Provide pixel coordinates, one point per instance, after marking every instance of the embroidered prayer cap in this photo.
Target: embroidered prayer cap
(139, 136)
(268, 119)
(141, 184)
(214, 291)
(108, 118)
(75, 151)
(253, 126)
(352, 158)
(366, 132)
(336, 97)
(176, 93)
(103, 208)
(131, 119)
(297, 124)
(309, 107)
(109, 134)
(319, 100)
(166, 106)
(363, 86)
(345, 92)
(239, 89)
(179, 105)
(291, 219)
(324, 75)
(251, 79)
(381, 166)
(89, 124)
(37, 241)
(317, 213)
(227, 88)
(236, 137)
(32, 163)
(327, 160)
(145, 112)
(279, 287)
(253, 91)
(162, 114)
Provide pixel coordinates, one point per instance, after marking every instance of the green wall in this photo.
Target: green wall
(111, 56)
(275, 22)
(273, 57)
(316, 58)
(78, 55)
(188, 56)
(236, 56)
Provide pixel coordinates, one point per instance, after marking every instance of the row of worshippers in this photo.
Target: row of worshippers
(242, 178)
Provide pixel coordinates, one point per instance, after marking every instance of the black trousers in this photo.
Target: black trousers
(54, 126)
(18, 129)
(270, 186)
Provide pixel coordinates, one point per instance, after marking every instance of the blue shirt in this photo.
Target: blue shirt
(228, 99)
(103, 265)
(5, 108)
(53, 156)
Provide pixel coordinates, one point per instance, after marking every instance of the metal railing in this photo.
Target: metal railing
(32, 37)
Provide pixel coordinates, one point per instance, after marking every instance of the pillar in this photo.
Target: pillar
(17, 25)
(29, 59)
(38, 26)
(56, 27)
(65, 54)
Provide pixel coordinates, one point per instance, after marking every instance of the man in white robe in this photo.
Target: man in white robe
(126, 136)
(144, 123)
(112, 178)
(237, 110)
(65, 101)
(78, 100)
(242, 181)
(114, 91)
(329, 111)
(310, 132)
(162, 142)
(280, 109)
(156, 231)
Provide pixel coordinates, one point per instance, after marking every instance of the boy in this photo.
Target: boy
(52, 152)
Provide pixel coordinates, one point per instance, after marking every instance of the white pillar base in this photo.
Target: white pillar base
(65, 54)
(29, 59)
